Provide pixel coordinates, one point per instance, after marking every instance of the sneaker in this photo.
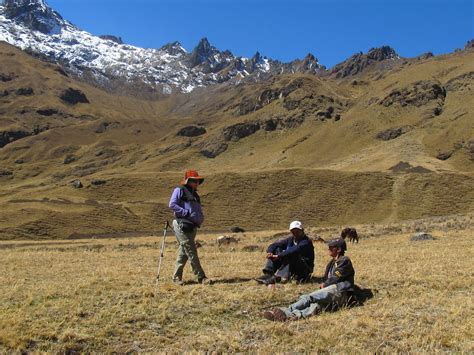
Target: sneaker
(205, 281)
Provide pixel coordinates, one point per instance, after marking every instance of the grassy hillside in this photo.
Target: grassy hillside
(386, 145)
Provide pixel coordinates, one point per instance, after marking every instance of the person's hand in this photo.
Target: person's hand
(274, 257)
(321, 286)
(269, 255)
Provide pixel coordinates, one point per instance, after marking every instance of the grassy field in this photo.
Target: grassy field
(100, 296)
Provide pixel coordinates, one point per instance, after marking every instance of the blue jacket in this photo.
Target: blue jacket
(186, 204)
(304, 248)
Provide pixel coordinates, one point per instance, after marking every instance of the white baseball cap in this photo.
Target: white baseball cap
(296, 224)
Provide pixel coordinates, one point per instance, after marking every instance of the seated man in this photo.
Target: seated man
(291, 257)
(332, 293)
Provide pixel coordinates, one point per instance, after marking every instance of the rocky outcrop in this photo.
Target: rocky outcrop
(392, 133)
(7, 137)
(424, 56)
(404, 167)
(191, 131)
(112, 38)
(25, 91)
(35, 15)
(174, 48)
(240, 130)
(74, 96)
(47, 112)
(469, 44)
(359, 62)
(417, 94)
(266, 97)
(5, 77)
(463, 82)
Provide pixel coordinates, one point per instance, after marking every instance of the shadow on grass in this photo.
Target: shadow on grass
(234, 280)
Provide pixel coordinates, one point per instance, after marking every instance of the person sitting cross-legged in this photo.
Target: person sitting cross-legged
(332, 293)
(292, 257)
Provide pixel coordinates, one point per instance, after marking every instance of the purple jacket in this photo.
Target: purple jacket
(187, 205)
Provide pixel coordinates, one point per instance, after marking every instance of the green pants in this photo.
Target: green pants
(186, 250)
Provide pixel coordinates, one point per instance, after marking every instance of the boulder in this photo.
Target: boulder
(47, 112)
(74, 96)
(77, 184)
(25, 91)
(5, 77)
(237, 229)
(421, 236)
(4, 172)
(444, 155)
(102, 127)
(191, 131)
(97, 182)
(69, 159)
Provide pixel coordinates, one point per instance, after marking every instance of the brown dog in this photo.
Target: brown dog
(351, 233)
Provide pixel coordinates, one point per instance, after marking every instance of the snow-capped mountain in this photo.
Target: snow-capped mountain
(33, 26)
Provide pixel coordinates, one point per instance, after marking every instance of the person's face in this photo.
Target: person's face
(333, 251)
(193, 183)
(297, 233)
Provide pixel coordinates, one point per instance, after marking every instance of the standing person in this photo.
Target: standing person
(186, 205)
(338, 280)
(290, 257)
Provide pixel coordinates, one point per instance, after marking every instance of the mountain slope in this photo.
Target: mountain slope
(390, 145)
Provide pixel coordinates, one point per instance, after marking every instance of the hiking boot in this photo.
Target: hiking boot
(268, 315)
(178, 282)
(263, 278)
(272, 280)
(279, 315)
(205, 281)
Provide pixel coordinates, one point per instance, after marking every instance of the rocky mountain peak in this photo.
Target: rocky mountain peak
(34, 14)
(382, 53)
(173, 48)
(205, 53)
(359, 62)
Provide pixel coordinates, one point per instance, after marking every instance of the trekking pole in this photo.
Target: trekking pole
(161, 252)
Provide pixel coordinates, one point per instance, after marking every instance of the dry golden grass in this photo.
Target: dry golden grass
(99, 296)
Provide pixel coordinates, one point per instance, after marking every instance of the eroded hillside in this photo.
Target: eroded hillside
(387, 143)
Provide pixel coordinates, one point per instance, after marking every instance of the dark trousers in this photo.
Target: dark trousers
(289, 267)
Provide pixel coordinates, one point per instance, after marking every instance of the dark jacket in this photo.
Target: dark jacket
(304, 248)
(341, 273)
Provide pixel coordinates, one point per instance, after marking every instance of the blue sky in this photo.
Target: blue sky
(330, 29)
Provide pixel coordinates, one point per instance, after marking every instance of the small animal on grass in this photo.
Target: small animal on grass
(350, 233)
(226, 240)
